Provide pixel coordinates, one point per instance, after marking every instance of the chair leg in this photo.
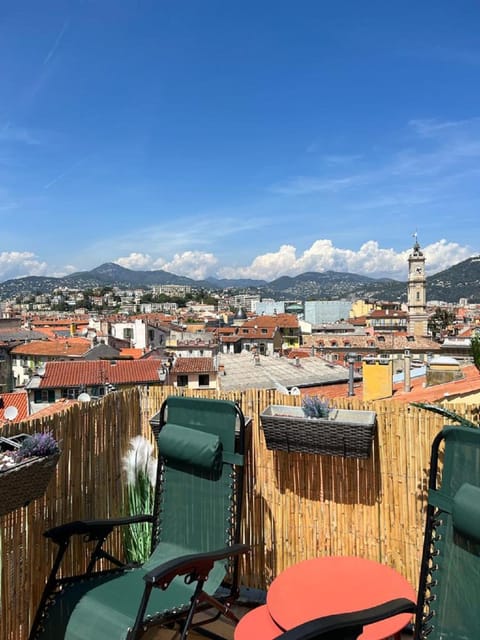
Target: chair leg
(193, 603)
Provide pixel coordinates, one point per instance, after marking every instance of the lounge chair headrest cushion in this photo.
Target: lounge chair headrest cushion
(187, 446)
(466, 511)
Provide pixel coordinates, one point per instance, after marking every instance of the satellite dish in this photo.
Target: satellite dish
(84, 397)
(10, 412)
(40, 371)
(294, 391)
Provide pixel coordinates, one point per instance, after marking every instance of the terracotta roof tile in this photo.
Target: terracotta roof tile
(131, 353)
(418, 393)
(330, 391)
(299, 353)
(282, 320)
(257, 333)
(18, 400)
(193, 365)
(72, 347)
(59, 322)
(469, 383)
(52, 409)
(98, 372)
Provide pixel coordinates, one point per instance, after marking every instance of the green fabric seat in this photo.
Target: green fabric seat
(449, 591)
(197, 510)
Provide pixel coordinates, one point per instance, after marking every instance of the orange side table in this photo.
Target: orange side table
(331, 585)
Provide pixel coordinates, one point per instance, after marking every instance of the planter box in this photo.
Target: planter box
(25, 481)
(347, 433)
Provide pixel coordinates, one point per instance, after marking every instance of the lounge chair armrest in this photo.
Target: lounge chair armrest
(93, 529)
(196, 566)
(347, 626)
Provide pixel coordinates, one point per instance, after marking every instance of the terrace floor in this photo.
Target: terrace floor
(223, 628)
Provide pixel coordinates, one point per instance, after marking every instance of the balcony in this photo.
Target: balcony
(298, 505)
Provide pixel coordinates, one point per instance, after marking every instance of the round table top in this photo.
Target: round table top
(257, 624)
(337, 584)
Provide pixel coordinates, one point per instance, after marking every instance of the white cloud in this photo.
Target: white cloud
(194, 264)
(443, 254)
(135, 260)
(370, 259)
(67, 269)
(15, 264)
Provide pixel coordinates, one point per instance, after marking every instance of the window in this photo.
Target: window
(182, 381)
(71, 392)
(418, 295)
(204, 380)
(44, 395)
(128, 333)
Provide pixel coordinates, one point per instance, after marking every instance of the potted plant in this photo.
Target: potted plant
(27, 463)
(316, 427)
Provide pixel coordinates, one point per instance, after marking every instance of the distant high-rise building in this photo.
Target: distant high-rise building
(326, 311)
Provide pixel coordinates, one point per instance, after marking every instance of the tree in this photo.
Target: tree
(440, 320)
(475, 348)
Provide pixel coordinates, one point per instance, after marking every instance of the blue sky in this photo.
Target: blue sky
(254, 138)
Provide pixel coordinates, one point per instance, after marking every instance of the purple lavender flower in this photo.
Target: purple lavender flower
(315, 407)
(38, 444)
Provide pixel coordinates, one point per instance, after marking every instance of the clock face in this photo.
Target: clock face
(418, 270)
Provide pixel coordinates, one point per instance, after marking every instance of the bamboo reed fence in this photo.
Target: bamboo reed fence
(297, 505)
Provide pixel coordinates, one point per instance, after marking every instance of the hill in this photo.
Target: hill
(460, 281)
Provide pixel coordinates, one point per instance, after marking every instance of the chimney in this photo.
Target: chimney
(407, 387)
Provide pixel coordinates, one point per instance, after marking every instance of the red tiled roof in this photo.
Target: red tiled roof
(18, 400)
(98, 372)
(131, 353)
(330, 391)
(468, 384)
(193, 365)
(299, 353)
(70, 347)
(397, 341)
(418, 393)
(53, 408)
(257, 333)
(59, 322)
(282, 320)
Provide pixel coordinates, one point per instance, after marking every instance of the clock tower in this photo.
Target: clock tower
(417, 292)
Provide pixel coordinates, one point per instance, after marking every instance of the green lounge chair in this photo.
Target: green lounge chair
(195, 532)
(449, 584)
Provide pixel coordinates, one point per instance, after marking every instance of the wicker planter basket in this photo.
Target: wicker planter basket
(345, 432)
(25, 482)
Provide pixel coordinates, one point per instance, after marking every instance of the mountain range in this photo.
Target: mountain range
(459, 281)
